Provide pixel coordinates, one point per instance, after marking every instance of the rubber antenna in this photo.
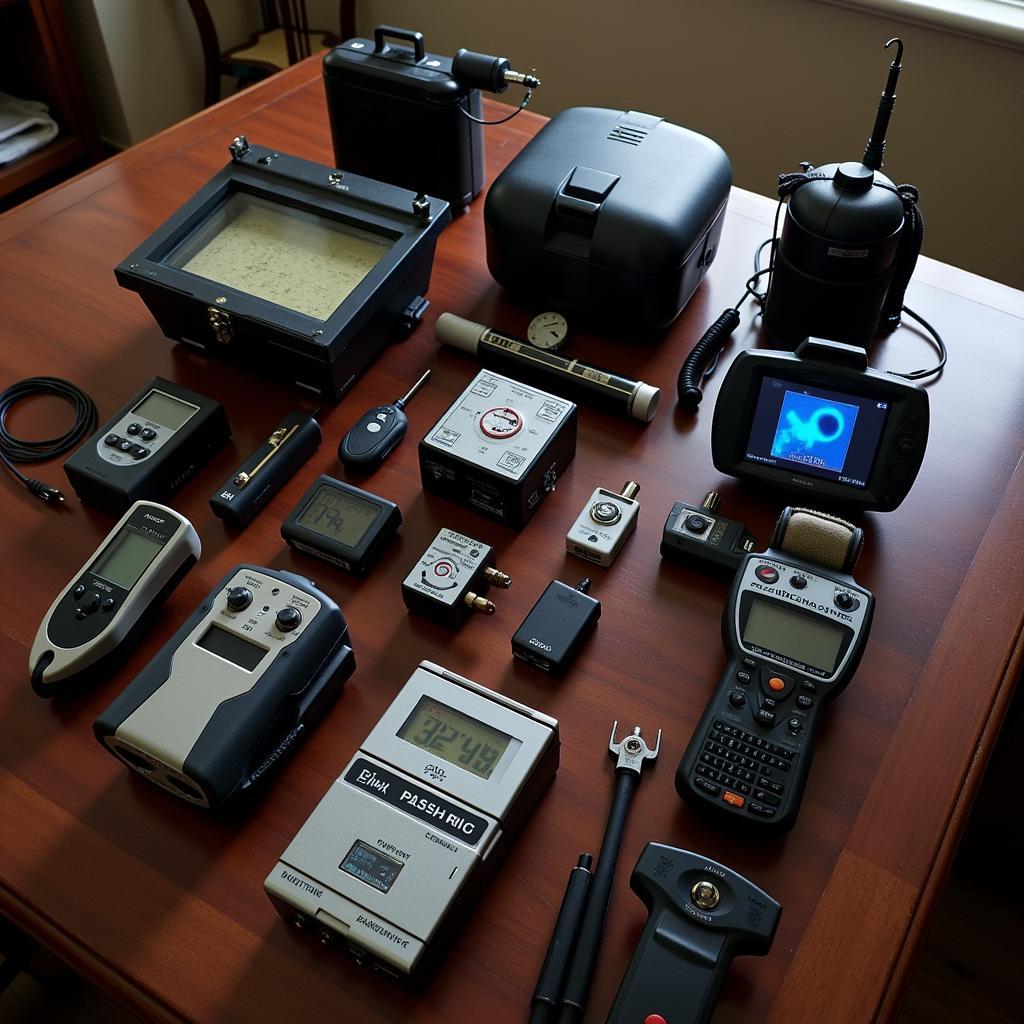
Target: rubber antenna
(875, 150)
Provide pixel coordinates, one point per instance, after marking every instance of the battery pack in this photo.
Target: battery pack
(499, 448)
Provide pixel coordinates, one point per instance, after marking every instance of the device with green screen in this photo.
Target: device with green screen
(794, 632)
(400, 847)
(341, 524)
(108, 601)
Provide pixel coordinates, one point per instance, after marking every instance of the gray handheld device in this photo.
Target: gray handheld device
(407, 836)
(234, 690)
(108, 603)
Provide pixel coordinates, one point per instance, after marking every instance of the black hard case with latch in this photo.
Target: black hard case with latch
(610, 214)
(395, 115)
(322, 356)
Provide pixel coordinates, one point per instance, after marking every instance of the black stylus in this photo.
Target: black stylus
(563, 941)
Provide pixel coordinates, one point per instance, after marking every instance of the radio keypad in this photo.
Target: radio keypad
(734, 762)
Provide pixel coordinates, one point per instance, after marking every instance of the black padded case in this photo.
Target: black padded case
(611, 214)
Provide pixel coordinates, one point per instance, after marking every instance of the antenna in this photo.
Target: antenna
(875, 149)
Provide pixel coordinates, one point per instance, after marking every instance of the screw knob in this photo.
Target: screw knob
(705, 895)
(239, 598)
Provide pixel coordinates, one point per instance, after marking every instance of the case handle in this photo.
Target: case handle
(416, 38)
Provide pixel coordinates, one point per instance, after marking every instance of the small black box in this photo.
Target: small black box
(499, 448)
(395, 116)
(612, 214)
(556, 627)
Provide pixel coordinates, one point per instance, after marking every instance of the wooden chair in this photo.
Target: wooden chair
(286, 38)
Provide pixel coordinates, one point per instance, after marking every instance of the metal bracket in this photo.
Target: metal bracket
(632, 752)
(239, 147)
(221, 324)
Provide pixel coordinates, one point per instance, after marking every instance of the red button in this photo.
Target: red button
(766, 574)
(654, 1018)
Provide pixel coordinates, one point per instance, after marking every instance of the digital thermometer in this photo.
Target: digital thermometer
(404, 840)
(794, 630)
(107, 604)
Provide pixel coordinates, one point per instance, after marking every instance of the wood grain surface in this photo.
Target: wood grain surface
(163, 905)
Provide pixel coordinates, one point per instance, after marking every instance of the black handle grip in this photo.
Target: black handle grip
(386, 31)
(709, 346)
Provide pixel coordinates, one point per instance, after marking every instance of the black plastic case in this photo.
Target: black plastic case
(394, 114)
(611, 214)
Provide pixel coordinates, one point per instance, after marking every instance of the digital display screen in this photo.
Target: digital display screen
(230, 647)
(811, 641)
(454, 737)
(294, 258)
(163, 409)
(370, 866)
(340, 517)
(126, 558)
(822, 433)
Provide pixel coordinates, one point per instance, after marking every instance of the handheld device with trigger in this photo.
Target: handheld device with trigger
(375, 435)
(794, 627)
(700, 915)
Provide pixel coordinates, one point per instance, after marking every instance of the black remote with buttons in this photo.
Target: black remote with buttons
(375, 435)
(794, 632)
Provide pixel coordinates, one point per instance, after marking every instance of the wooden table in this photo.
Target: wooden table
(163, 905)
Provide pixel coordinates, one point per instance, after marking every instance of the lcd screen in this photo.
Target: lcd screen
(822, 433)
(339, 516)
(164, 410)
(371, 866)
(236, 649)
(808, 640)
(294, 258)
(126, 558)
(455, 737)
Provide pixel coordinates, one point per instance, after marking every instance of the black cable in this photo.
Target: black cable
(501, 120)
(940, 345)
(16, 450)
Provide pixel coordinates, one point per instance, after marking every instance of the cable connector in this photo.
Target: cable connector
(44, 492)
(632, 752)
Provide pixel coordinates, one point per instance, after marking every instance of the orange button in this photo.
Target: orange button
(733, 798)
(776, 683)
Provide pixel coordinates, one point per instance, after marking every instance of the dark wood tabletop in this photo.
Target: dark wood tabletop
(163, 904)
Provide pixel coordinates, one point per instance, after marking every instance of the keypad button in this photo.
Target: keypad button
(808, 687)
(776, 787)
(78, 591)
(803, 701)
(750, 662)
(761, 810)
(112, 440)
(139, 452)
(846, 602)
(732, 798)
(737, 698)
(125, 446)
(767, 574)
(148, 433)
(90, 603)
(707, 787)
(795, 726)
(743, 677)
(765, 717)
(770, 703)
(798, 582)
(133, 428)
(79, 613)
(108, 604)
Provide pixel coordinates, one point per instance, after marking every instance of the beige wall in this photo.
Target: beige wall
(774, 83)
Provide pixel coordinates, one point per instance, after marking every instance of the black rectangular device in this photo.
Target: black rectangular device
(613, 214)
(342, 525)
(499, 448)
(556, 627)
(821, 422)
(149, 448)
(398, 114)
(266, 470)
(293, 269)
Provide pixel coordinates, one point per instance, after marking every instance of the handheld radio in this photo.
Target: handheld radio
(234, 690)
(794, 628)
(108, 603)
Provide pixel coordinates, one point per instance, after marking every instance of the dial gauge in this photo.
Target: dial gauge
(501, 422)
(548, 330)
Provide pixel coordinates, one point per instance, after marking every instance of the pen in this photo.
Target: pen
(563, 940)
